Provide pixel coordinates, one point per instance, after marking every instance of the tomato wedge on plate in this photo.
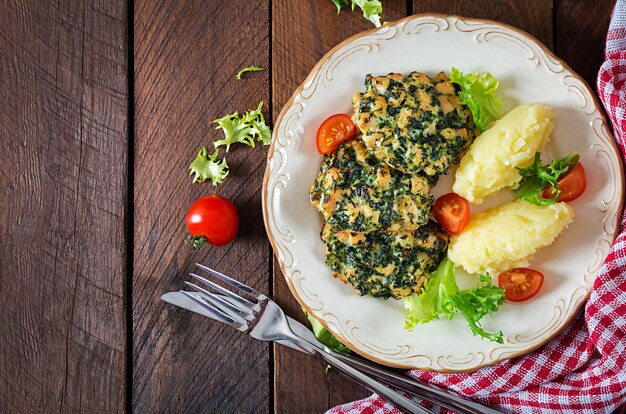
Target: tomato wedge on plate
(520, 284)
(333, 131)
(452, 211)
(572, 185)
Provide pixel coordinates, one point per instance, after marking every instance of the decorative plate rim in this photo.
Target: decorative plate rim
(315, 71)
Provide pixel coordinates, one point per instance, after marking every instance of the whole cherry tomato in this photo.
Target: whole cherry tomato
(213, 219)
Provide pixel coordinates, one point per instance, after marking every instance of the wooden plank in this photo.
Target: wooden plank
(63, 143)
(532, 16)
(581, 34)
(186, 58)
(300, 382)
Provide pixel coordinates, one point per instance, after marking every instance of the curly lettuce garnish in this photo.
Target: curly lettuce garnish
(248, 69)
(536, 178)
(478, 93)
(372, 9)
(441, 296)
(243, 129)
(206, 167)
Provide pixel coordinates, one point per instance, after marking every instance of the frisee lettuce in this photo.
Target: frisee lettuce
(537, 177)
(478, 93)
(441, 297)
(248, 69)
(372, 9)
(324, 336)
(243, 128)
(206, 167)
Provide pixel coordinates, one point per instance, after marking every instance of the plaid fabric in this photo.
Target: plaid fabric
(583, 369)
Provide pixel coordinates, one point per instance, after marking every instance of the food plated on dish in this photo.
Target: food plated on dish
(373, 191)
(374, 326)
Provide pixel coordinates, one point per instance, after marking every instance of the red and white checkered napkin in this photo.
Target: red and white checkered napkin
(583, 369)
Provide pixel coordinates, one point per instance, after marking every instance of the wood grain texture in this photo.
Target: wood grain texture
(532, 16)
(186, 58)
(63, 143)
(300, 382)
(581, 28)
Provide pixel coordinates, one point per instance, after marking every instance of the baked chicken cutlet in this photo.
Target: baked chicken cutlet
(385, 264)
(356, 191)
(413, 123)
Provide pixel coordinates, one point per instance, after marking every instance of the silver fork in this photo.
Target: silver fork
(263, 319)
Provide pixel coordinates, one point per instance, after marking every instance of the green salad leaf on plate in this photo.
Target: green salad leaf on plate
(478, 93)
(324, 336)
(441, 297)
(537, 177)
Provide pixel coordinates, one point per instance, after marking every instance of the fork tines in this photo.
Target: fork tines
(229, 307)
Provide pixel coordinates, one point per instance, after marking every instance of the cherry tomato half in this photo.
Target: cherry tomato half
(452, 211)
(213, 218)
(333, 131)
(572, 185)
(520, 284)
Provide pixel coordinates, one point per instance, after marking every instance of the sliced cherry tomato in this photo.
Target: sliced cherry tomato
(212, 219)
(520, 284)
(572, 185)
(333, 131)
(452, 211)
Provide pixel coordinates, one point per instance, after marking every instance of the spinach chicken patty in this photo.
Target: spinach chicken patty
(385, 264)
(373, 191)
(413, 123)
(356, 191)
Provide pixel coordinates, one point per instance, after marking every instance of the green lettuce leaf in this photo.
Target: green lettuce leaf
(206, 167)
(441, 297)
(248, 69)
(429, 304)
(243, 129)
(372, 9)
(478, 93)
(537, 177)
(324, 336)
(474, 304)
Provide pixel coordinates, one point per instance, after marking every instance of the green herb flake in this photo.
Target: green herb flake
(248, 69)
(206, 167)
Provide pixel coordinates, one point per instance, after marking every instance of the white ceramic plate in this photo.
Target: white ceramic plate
(528, 73)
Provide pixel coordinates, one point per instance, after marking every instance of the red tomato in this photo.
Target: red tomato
(520, 284)
(212, 219)
(333, 131)
(452, 211)
(572, 185)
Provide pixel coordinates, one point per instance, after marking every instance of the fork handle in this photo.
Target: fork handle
(379, 388)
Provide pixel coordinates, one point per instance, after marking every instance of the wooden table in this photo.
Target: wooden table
(103, 104)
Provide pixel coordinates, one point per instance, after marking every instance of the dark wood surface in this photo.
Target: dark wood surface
(89, 241)
(186, 58)
(63, 144)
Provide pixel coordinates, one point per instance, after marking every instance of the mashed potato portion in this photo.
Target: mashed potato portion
(507, 236)
(492, 161)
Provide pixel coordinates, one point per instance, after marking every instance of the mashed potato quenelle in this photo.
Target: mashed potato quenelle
(507, 236)
(492, 161)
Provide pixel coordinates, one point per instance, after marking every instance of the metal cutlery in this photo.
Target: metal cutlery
(263, 319)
